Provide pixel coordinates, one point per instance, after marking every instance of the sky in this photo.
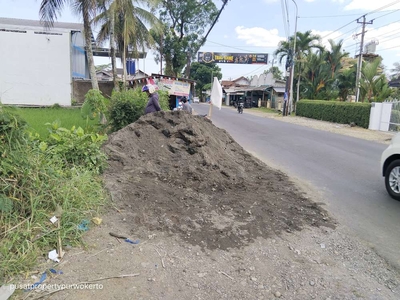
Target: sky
(257, 26)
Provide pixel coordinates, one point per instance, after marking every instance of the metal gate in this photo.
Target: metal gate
(394, 123)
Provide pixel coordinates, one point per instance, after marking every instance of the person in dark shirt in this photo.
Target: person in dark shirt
(152, 105)
(186, 105)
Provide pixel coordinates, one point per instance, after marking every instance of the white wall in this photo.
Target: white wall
(35, 69)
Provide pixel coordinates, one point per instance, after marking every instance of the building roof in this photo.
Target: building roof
(23, 23)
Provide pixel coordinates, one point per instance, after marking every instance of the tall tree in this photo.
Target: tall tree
(127, 22)
(275, 71)
(184, 32)
(334, 56)
(203, 74)
(305, 42)
(49, 11)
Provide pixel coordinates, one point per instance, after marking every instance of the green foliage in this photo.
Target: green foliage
(94, 105)
(184, 29)
(276, 72)
(128, 106)
(11, 126)
(35, 182)
(335, 111)
(36, 118)
(203, 73)
(75, 147)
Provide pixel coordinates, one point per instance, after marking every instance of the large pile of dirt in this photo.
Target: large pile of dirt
(179, 173)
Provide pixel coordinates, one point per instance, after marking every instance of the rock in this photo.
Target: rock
(312, 283)
(323, 246)
(151, 279)
(201, 275)
(253, 278)
(278, 294)
(297, 251)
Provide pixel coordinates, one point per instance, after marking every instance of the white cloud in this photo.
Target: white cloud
(387, 37)
(226, 36)
(310, 0)
(371, 5)
(270, 1)
(258, 36)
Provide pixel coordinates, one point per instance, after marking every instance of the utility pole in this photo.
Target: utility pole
(291, 106)
(359, 64)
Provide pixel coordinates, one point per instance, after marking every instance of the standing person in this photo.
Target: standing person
(186, 105)
(152, 105)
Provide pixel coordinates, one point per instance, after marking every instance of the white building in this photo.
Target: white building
(38, 65)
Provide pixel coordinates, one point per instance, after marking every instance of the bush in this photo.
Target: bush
(94, 104)
(75, 147)
(37, 184)
(335, 111)
(128, 106)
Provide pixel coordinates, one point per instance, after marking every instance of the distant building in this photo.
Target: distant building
(38, 64)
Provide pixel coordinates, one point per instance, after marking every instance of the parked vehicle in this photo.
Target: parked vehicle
(390, 167)
(196, 100)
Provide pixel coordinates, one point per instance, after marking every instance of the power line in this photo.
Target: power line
(371, 12)
(389, 48)
(332, 16)
(383, 7)
(386, 14)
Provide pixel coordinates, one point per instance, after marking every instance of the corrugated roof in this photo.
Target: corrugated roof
(37, 23)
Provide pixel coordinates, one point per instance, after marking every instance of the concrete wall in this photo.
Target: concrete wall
(81, 87)
(35, 68)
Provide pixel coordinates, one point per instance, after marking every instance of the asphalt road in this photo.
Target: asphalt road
(343, 169)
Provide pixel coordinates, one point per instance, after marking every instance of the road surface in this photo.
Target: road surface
(344, 170)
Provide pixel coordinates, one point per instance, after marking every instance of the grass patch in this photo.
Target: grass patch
(66, 117)
(266, 110)
(40, 179)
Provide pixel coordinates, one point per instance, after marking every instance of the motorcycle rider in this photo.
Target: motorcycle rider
(240, 105)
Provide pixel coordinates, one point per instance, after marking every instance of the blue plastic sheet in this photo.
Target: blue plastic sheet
(132, 242)
(84, 225)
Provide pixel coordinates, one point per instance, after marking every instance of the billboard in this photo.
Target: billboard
(174, 87)
(232, 58)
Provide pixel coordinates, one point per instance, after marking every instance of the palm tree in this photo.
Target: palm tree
(316, 75)
(127, 22)
(373, 83)
(49, 10)
(346, 79)
(305, 42)
(334, 56)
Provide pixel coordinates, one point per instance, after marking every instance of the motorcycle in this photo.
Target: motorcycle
(240, 108)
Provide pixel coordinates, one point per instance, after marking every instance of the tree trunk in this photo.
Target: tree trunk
(125, 74)
(89, 50)
(298, 89)
(112, 50)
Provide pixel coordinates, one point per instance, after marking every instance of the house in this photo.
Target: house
(231, 88)
(106, 74)
(39, 64)
(263, 90)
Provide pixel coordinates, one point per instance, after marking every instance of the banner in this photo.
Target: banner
(175, 87)
(232, 58)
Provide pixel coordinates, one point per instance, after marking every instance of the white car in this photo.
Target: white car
(390, 167)
(196, 100)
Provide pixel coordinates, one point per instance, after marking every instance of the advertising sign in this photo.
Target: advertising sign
(232, 58)
(174, 87)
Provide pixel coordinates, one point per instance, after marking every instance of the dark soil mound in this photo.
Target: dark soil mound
(181, 174)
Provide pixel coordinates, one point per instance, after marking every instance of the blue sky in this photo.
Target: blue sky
(257, 26)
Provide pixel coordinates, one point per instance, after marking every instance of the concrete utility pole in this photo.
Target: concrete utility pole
(291, 106)
(359, 64)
